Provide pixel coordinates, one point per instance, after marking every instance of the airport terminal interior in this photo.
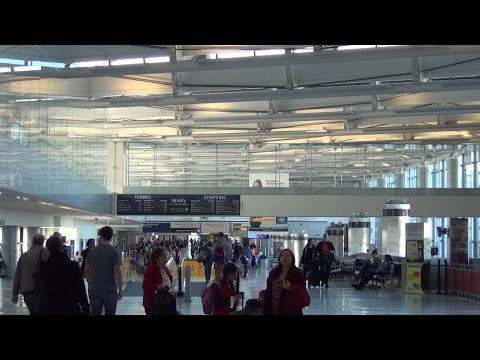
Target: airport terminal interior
(356, 158)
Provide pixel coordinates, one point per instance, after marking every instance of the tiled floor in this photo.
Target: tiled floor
(339, 299)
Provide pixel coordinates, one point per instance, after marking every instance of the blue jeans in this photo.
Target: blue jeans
(106, 299)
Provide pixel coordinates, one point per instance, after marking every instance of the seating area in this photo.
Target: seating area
(384, 277)
(346, 269)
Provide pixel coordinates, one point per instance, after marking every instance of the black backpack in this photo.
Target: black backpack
(164, 303)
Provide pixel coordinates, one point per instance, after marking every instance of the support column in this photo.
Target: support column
(400, 180)
(458, 241)
(290, 73)
(115, 166)
(381, 182)
(10, 253)
(451, 173)
(421, 177)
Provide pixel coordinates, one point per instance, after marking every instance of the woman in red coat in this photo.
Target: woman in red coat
(286, 292)
(156, 277)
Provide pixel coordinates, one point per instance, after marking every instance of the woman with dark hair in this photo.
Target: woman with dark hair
(224, 300)
(286, 293)
(62, 290)
(90, 245)
(156, 277)
(246, 257)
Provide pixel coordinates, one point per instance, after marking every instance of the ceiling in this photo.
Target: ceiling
(18, 201)
(319, 97)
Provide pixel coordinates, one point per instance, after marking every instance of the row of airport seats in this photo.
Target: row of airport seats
(384, 277)
(347, 268)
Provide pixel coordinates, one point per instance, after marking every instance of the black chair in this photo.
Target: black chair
(385, 277)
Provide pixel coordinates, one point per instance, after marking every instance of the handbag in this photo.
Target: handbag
(202, 256)
(164, 303)
(244, 259)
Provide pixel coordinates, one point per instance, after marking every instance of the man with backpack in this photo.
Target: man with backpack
(221, 254)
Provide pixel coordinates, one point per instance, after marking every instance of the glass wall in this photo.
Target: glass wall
(411, 177)
(305, 166)
(34, 172)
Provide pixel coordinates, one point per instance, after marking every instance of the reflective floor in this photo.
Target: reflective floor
(339, 299)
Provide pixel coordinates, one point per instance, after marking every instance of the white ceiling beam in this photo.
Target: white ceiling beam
(323, 92)
(356, 132)
(263, 61)
(357, 117)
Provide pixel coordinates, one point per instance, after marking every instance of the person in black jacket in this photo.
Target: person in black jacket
(62, 290)
(307, 256)
(325, 251)
(90, 245)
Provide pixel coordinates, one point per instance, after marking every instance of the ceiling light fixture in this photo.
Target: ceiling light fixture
(27, 68)
(318, 131)
(75, 136)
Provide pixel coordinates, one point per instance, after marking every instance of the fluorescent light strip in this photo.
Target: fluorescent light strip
(355, 47)
(127, 61)
(317, 131)
(27, 68)
(26, 100)
(160, 59)
(47, 64)
(89, 64)
(235, 54)
(75, 136)
(389, 45)
(302, 51)
(270, 52)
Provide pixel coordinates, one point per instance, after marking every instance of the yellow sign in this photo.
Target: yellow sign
(196, 267)
(414, 278)
(264, 219)
(240, 230)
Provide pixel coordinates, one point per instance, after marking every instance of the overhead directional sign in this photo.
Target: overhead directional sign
(154, 204)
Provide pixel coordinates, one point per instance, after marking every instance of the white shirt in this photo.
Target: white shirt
(165, 279)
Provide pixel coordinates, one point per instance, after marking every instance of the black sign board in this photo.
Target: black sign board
(153, 204)
(156, 227)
